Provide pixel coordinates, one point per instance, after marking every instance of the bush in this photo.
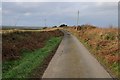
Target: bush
(87, 26)
(54, 27)
(109, 36)
(44, 27)
(63, 25)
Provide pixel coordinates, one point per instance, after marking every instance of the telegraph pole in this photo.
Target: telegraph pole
(17, 20)
(45, 23)
(77, 19)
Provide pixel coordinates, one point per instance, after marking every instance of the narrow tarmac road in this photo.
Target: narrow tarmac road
(73, 60)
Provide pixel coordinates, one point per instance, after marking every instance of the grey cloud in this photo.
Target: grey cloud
(0, 14)
(58, 12)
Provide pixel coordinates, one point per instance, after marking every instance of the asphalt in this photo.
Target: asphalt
(73, 60)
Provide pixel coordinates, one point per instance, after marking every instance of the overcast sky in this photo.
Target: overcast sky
(101, 14)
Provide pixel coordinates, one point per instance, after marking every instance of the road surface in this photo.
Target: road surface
(73, 60)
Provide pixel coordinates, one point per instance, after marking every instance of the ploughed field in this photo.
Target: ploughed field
(24, 51)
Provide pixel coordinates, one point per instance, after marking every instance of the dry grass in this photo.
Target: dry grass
(27, 30)
(101, 42)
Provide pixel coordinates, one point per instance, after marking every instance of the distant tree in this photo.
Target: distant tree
(54, 27)
(44, 27)
(63, 25)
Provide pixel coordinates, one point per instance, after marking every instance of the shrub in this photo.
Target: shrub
(44, 27)
(63, 25)
(109, 36)
(54, 27)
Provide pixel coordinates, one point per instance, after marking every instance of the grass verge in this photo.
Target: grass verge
(29, 61)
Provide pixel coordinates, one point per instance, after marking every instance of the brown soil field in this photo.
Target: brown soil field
(15, 42)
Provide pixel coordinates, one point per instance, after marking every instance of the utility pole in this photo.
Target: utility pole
(77, 19)
(17, 20)
(45, 23)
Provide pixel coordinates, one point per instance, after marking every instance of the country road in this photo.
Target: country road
(73, 60)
